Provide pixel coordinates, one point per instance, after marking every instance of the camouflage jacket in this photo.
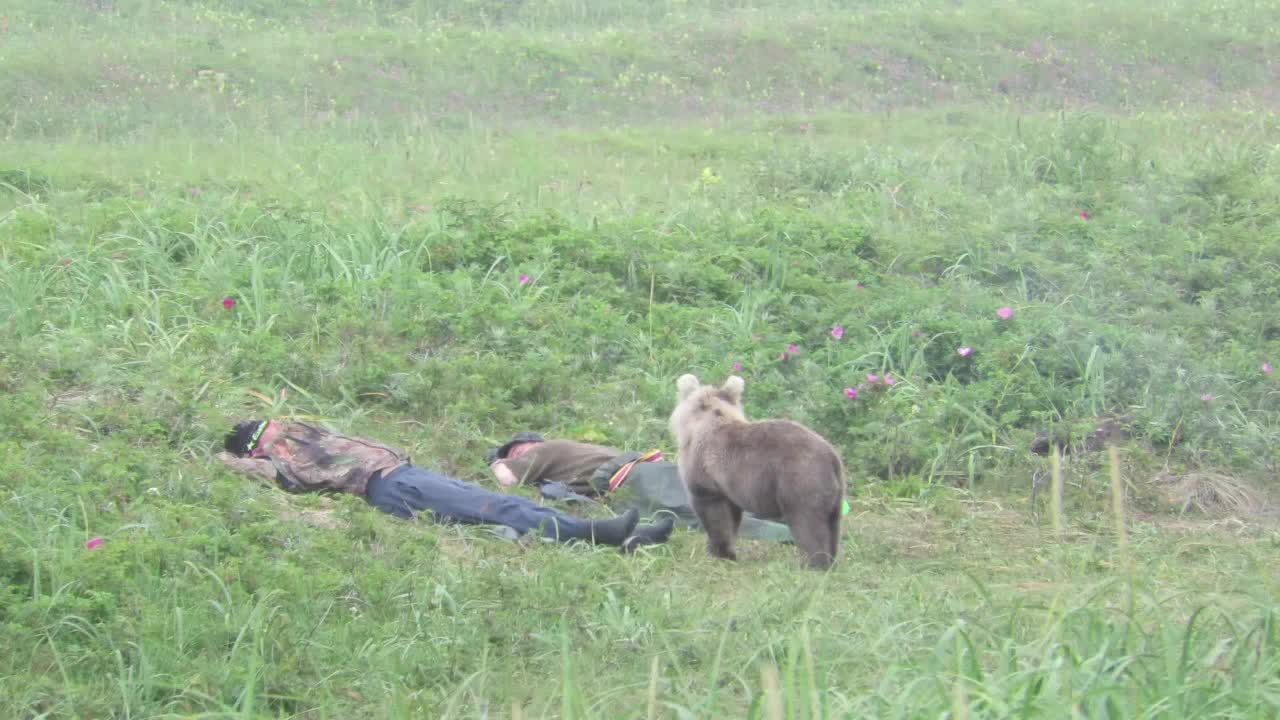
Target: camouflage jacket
(318, 460)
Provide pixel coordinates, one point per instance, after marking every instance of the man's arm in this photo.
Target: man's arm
(524, 469)
(504, 474)
(261, 467)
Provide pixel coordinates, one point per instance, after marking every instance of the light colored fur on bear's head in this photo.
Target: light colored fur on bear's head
(702, 407)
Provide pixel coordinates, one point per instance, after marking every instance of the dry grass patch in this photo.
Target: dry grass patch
(1211, 493)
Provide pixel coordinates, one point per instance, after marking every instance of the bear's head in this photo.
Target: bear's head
(704, 407)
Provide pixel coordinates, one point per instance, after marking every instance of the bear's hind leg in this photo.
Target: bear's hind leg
(719, 518)
(816, 537)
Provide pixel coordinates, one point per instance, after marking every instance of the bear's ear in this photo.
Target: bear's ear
(686, 385)
(733, 387)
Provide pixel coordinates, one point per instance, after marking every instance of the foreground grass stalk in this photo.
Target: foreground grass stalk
(1117, 499)
(654, 667)
(959, 694)
(1055, 491)
(815, 702)
(772, 688)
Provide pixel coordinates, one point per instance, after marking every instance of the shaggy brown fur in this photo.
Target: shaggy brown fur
(772, 468)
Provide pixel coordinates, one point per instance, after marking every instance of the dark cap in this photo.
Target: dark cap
(244, 437)
(500, 453)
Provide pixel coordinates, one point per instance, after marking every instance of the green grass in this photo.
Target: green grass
(688, 185)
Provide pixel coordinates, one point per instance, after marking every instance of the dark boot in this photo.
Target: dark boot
(654, 534)
(614, 530)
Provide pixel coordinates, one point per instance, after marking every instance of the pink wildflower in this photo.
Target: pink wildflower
(860, 286)
(873, 378)
(228, 303)
(737, 366)
(915, 333)
(793, 350)
(837, 331)
(851, 393)
(1004, 313)
(1266, 368)
(524, 279)
(92, 543)
(1084, 214)
(888, 380)
(964, 351)
(1207, 397)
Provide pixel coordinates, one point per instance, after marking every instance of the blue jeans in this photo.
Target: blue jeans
(407, 490)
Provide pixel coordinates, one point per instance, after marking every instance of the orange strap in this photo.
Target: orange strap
(621, 476)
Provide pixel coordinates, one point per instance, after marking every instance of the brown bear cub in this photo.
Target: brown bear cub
(773, 468)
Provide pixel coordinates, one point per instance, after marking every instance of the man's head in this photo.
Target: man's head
(515, 447)
(246, 437)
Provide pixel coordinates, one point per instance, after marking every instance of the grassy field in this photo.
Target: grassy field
(444, 222)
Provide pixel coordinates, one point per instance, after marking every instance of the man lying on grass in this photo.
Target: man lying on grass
(630, 480)
(302, 458)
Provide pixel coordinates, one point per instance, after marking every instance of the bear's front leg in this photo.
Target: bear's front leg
(719, 518)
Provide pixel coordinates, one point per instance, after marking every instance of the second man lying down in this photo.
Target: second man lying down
(628, 480)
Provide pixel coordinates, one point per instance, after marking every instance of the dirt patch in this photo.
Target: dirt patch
(1044, 69)
(1078, 74)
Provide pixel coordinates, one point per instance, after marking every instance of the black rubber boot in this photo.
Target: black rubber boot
(654, 534)
(614, 530)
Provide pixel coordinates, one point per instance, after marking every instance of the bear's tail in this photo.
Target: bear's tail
(837, 471)
(833, 522)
